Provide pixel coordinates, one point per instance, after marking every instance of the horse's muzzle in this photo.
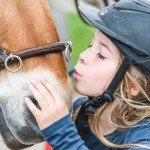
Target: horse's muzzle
(18, 127)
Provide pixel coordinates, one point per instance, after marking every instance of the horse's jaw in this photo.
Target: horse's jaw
(18, 127)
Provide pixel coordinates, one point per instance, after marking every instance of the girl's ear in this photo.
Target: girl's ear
(134, 90)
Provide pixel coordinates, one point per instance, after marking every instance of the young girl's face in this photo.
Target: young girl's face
(96, 66)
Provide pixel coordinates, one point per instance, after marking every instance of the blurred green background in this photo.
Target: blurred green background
(80, 34)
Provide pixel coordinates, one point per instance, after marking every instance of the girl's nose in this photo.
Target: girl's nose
(82, 58)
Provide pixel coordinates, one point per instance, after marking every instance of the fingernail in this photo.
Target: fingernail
(42, 80)
(30, 85)
(26, 98)
(33, 81)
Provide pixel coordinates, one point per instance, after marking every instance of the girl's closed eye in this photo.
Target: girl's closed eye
(90, 45)
(100, 56)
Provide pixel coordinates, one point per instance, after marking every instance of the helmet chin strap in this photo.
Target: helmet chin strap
(92, 104)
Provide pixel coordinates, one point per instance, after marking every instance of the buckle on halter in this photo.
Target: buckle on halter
(68, 51)
(11, 57)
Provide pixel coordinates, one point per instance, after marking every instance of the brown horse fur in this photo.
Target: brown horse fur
(26, 24)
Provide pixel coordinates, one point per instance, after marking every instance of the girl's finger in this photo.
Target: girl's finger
(34, 110)
(38, 96)
(51, 89)
(43, 90)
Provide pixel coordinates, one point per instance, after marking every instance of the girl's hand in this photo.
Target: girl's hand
(53, 107)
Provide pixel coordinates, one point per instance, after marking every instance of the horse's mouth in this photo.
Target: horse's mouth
(8, 137)
(18, 133)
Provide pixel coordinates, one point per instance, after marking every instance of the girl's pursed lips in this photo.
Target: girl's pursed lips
(75, 73)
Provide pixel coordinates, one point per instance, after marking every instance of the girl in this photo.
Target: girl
(114, 75)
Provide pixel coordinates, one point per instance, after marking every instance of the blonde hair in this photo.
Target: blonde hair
(130, 110)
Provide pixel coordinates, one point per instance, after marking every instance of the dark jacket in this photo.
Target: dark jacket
(63, 135)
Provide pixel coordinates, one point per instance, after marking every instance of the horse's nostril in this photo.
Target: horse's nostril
(29, 95)
(27, 115)
(35, 102)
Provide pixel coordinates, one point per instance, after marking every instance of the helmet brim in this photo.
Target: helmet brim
(93, 17)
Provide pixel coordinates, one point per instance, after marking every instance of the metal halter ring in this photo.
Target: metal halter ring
(68, 50)
(11, 56)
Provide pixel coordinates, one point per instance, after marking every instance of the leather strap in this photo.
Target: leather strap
(38, 51)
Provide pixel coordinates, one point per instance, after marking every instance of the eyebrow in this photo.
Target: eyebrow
(106, 46)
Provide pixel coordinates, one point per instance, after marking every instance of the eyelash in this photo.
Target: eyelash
(90, 46)
(99, 54)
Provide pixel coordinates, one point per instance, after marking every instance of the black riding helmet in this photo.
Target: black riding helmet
(127, 24)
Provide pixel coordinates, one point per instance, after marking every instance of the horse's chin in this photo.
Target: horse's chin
(19, 134)
(8, 137)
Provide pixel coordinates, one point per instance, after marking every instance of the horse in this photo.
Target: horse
(27, 27)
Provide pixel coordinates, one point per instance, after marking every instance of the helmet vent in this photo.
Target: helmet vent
(135, 6)
(131, 11)
(144, 3)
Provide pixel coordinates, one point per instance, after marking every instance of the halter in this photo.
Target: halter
(11, 58)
